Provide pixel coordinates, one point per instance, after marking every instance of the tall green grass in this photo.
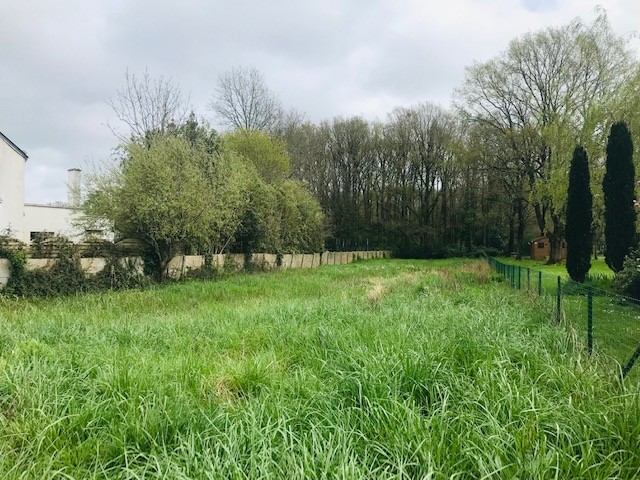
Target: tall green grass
(616, 319)
(378, 369)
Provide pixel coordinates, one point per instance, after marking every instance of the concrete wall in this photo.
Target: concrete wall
(49, 218)
(12, 166)
(5, 271)
(181, 264)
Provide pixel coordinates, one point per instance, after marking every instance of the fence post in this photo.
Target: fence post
(539, 283)
(519, 277)
(632, 360)
(528, 278)
(589, 320)
(558, 297)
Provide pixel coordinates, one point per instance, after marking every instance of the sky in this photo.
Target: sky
(61, 61)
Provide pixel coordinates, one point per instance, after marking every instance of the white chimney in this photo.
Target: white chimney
(73, 187)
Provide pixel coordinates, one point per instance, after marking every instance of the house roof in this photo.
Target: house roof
(18, 150)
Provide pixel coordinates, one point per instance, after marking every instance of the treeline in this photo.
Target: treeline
(492, 172)
(405, 183)
(487, 174)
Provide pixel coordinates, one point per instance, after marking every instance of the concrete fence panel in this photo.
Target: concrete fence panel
(271, 260)
(285, 261)
(5, 272)
(296, 260)
(237, 260)
(307, 260)
(93, 265)
(178, 266)
(40, 263)
(181, 264)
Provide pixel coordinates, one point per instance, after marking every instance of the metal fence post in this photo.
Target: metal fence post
(558, 297)
(632, 360)
(589, 320)
(528, 278)
(519, 277)
(539, 283)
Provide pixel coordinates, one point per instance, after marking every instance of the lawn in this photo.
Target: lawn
(377, 369)
(616, 319)
(598, 267)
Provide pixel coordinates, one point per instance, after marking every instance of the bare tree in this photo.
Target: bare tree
(147, 105)
(241, 99)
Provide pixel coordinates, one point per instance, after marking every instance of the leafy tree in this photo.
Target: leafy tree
(268, 155)
(172, 196)
(555, 87)
(302, 220)
(579, 217)
(618, 189)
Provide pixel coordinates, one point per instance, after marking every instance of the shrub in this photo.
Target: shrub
(627, 280)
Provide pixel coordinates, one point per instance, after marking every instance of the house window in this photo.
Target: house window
(540, 244)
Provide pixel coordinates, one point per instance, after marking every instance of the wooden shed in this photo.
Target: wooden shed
(541, 248)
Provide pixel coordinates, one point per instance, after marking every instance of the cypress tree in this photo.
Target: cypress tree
(579, 217)
(618, 189)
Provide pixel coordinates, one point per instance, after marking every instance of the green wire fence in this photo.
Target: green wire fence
(608, 323)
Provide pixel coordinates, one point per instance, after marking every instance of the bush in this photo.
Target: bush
(627, 280)
(66, 276)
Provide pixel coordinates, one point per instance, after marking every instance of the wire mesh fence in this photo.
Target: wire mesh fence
(604, 321)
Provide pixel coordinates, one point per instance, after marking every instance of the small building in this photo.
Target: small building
(26, 221)
(541, 248)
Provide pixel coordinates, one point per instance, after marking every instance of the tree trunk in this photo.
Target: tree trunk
(555, 239)
(520, 234)
(510, 245)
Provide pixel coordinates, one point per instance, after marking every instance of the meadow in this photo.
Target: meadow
(616, 319)
(376, 369)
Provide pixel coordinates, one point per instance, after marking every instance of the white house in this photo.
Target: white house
(25, 221)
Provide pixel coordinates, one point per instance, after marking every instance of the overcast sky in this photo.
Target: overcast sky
(60, 61)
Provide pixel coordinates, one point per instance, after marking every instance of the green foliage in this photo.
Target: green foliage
(17, 258)
(173, 195)
(579, 217)
(618, 188)
(302, 220)
(64, 274)
(430, 376)
(184, 192)
(268, 155)
(627, 279)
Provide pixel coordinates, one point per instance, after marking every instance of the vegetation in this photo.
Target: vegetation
(185, 191)
(614, 318)
(579, 217)
(618, 187)
(374, 369)
(627, 280)
(65, 275)
(492, 172)
(427, 182)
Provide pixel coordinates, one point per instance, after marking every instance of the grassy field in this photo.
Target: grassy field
(598, 267)
(377, 369)
(616, 320)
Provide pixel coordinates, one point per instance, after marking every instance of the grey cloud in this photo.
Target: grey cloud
(61, 61)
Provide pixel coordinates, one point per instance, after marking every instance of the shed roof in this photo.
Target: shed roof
(18, 150)
(538, 239)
